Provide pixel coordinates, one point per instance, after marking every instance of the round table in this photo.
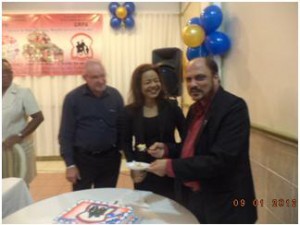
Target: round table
(15, 195)
(150, 208)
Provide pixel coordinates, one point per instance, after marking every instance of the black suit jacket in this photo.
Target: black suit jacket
(221, 162)
(170, 117)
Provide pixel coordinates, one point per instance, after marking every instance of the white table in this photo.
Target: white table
(149, 207)
(15, 195)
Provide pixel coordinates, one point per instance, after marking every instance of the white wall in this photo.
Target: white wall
(262, 66)
(188, 11)
(87, 7)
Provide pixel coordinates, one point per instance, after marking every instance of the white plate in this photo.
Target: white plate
(137, 165)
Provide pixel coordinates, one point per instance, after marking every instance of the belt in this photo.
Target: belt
(95, 153)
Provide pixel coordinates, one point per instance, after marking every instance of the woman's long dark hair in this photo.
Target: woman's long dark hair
(137, 98)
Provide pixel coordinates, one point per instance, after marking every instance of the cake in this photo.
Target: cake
(138, 164)
(40, 48)
(10, 47)
(97, 212)
(141, 147)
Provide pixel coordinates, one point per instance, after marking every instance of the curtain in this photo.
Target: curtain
(123, 50)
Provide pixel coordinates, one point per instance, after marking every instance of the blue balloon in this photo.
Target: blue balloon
(130, 7)
(115, 22)
(217, 43)
(200, 51)
(113, 7)
(211, 18)
(195, 20)
(129, 22)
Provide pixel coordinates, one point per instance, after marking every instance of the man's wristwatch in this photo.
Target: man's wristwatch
(20, 135)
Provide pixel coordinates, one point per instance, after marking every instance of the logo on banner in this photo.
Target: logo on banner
(81, 46)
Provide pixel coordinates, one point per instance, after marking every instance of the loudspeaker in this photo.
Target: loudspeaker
(169, 62)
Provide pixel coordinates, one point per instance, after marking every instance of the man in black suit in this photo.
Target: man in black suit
(212, 165)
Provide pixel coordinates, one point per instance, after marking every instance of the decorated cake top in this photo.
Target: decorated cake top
(97, 212)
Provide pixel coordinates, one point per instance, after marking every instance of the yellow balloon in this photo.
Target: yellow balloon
(193, 35)
(121, 12)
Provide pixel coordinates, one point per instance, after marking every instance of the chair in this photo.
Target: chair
(14, 162)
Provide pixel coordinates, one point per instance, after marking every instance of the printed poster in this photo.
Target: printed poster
(50, 44)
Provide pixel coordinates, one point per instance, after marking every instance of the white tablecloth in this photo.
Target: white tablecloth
(15, 195)
(149, 207)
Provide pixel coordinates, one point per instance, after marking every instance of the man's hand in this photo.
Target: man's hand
(10, 141)
(158, 167)
(157, 150)
(138, 176)
(72, 174)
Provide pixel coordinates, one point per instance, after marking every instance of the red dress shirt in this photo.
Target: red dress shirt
(188, 149)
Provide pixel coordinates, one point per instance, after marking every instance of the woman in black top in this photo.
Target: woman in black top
(150, 118)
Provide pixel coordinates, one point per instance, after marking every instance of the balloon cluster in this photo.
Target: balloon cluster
(122, 14)
(201, 37)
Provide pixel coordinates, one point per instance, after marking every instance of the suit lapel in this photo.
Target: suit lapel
(213, 108)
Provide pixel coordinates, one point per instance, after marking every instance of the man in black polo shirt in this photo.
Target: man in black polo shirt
(89, 131)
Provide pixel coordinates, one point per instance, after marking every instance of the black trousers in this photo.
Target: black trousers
(159, 185)
(97, 170)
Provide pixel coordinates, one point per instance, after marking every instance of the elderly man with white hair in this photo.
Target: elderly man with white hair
(89, 131)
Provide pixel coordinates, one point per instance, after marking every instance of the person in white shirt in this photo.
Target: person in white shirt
(17, 105)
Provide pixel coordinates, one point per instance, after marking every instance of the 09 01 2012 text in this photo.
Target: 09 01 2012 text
(275, 203)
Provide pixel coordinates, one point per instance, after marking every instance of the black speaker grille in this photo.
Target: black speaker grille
(169, 61)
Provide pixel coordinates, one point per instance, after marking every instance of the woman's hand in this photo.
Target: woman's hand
(138, 175)
(10, 141)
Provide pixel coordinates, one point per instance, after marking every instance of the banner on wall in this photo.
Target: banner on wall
(50, 44)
